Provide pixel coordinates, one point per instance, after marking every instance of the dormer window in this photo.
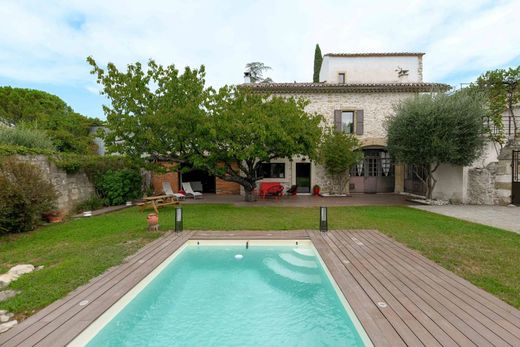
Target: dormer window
(341, 78)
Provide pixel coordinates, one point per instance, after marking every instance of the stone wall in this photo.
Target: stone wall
(72, 189)
(481, 185)
(491, 185)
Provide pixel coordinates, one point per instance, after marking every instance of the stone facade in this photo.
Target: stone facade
(377, 108)
(72, 189)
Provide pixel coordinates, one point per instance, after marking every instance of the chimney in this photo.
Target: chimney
(247, 77)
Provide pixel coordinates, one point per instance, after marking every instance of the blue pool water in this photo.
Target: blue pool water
(273, 296)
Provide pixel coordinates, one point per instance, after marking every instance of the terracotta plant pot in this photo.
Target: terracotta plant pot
(153, 219)
(316, 190)
(54, 217)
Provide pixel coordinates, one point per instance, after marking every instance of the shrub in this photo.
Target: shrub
(117, 187)
(91, 204)
(8, 150)
(24, 196)
(93, 165)
(26, 137)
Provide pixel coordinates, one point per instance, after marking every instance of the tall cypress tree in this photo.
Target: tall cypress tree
(317, 64)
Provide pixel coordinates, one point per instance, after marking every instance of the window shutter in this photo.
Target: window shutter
(337, 120)
(359, 122)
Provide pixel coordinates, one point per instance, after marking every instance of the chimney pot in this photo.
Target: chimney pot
(247, 77)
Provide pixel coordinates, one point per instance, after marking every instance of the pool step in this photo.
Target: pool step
(296, 261)
(283, 271)
(306, 252)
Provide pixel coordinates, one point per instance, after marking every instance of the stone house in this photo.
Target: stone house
(356, 93)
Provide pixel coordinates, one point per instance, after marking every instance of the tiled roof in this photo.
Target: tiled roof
(347, 87)
(391, 54)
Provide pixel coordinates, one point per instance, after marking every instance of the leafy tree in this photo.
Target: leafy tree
(155, 110)
(256, 70)
(430, 130)
(31, 108)
(502, 91)
(245, 129)
(318, 59)
(338, 154)
(158, 113)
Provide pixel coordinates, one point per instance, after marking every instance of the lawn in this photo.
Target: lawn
(78, 250)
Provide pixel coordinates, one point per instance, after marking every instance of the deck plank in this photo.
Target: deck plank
(430, 332)
(377, 326)
(428, 307)
(498, 329)
(467, 290)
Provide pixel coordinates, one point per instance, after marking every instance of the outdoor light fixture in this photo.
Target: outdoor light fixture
(323, 219)
(178, 219)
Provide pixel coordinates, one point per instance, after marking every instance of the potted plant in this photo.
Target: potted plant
(54, 216)
(153, 220)
(316, 190)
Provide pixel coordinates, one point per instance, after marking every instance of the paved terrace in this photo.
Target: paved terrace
(503, 217)
(400, 297)
(306, 200)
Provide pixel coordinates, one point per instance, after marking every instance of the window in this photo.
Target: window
(271, 170)
(341, 78)
(347, 122)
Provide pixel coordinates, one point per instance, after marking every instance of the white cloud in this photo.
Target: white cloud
(39, 44)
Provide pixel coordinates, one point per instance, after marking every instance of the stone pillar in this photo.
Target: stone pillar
(399, 178)
(504, 175)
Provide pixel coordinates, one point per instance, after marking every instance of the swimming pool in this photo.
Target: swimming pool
(222, 294)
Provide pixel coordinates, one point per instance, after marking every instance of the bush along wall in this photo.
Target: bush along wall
(25, 194)
(83, 180)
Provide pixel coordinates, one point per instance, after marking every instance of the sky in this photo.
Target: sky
(44, 44)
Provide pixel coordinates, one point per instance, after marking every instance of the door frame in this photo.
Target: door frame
(296, 176)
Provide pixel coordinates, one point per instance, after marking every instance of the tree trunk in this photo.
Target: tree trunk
(343, 180)
(430, 180)
(249, 195)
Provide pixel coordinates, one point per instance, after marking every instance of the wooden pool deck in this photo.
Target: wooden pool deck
(400, 297)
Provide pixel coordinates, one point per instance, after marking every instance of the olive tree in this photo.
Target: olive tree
(430, 130)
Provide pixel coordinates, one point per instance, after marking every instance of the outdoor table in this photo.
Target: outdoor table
(158, 201)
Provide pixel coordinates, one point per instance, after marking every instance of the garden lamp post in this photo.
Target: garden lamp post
(323, 219)
(178, 219)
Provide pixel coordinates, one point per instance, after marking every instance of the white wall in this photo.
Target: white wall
(378, 69)
(450, 183)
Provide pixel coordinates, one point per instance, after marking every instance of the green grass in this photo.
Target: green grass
(78, 250)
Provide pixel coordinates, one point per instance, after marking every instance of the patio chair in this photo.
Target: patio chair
(196, 186)
(265, 186)
(293, 190)
(186, 186)
(167, 190)
(275, 191)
